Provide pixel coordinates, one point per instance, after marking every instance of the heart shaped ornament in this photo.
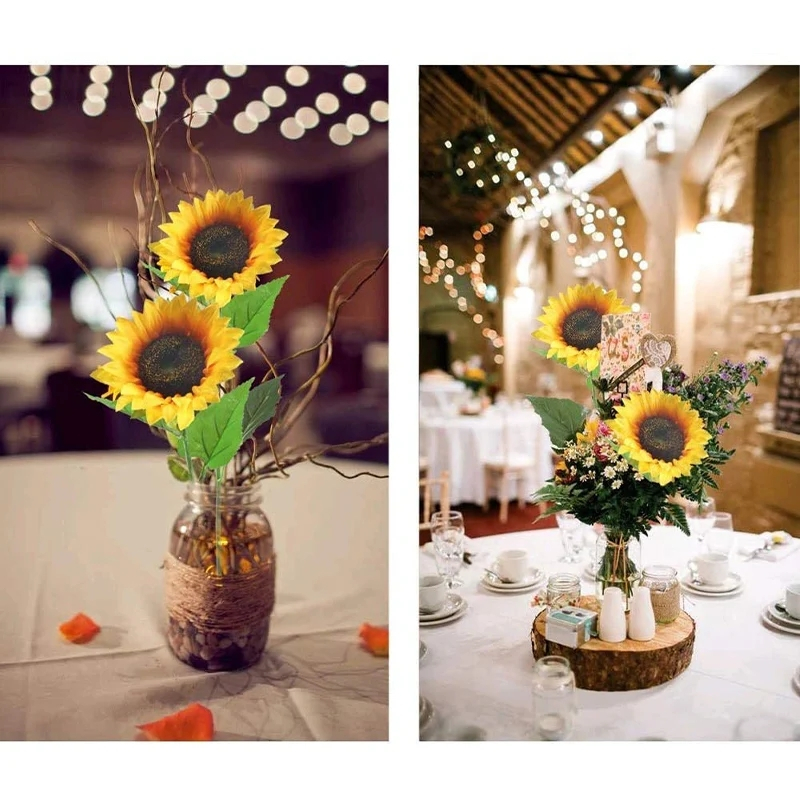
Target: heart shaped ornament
(658, 351)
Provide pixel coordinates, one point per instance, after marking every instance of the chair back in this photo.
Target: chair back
(427, 484)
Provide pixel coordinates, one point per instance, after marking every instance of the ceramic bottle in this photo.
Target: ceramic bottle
(641, 620)
(611, 626)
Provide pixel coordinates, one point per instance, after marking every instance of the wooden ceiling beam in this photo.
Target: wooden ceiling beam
(566, 72)
(517, 102)
(520, 134)
(631, 76)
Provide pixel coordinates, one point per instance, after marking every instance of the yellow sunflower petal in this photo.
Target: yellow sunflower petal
(237, 242)
(661, 434)
(570, 324)
(199, 338)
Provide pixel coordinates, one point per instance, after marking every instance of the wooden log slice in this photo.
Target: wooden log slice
(621, 666)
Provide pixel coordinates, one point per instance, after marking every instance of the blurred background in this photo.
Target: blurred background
(312, 142)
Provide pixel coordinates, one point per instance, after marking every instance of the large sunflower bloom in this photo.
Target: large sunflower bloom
(217, 247)
(571, 324)
(661, 434)
(169, 360)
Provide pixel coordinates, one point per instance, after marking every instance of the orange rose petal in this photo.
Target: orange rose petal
(195, 723)
(79, 630)
(375, 639)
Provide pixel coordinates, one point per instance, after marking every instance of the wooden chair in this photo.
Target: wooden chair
(426, 486)
(504, 468)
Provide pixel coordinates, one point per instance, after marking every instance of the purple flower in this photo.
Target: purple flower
(747, 397)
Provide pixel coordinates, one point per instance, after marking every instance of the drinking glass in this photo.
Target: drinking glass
(572, 536)
(447, 534)
(700, 517)
(554, 704)
(720, 538)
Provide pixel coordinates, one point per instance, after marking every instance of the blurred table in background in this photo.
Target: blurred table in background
(461, 444)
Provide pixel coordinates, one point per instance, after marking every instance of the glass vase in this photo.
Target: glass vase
(220, 579)
(617, 563)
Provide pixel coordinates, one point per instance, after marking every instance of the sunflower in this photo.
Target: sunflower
(571, 324)
(217, 247)
(661, 434)
(169, 360)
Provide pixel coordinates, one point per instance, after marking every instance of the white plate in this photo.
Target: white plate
(781, 617)
(695, 593)
(423, 651)
(775, 625)
(451, 606)
(435, 622)
(796, 680)
(535, 576)
(732, 584)
(506, 589)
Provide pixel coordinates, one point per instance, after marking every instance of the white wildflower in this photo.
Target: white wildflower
(609, 472)
(616, 484)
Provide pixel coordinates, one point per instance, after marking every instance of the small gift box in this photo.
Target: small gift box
(570, 626)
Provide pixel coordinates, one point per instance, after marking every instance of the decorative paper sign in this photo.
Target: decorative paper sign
(787, 409)
(621, 338)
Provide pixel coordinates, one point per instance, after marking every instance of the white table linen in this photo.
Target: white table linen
(88, 532)
(461, 444)
(441, 396)
(478, 669)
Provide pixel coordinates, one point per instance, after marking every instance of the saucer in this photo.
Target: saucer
(432, 623)
(771, 622)
(451, 606)
(732, 583)
(796, 680)
(535, 576)
(504, 588)
(782, 617)
(423, 651)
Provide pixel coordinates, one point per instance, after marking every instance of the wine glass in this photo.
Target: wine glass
(720, 538)
(572, 536)
(447, 534)
(700, 517)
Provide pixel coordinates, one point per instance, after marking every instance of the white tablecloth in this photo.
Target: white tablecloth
(88, 532)
(460, 445)
(478, 669)
(441, 396)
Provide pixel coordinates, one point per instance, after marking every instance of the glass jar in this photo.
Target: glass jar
(617, 563)
(665, 591)
(563, 589)
(220, 579)
(554, 704)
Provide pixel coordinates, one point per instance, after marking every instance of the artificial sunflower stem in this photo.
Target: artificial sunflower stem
(220, 474)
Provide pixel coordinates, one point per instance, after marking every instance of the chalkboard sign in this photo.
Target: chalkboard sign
(787, 410)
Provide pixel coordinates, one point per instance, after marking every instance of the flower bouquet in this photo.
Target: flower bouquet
(626, 461)
(202, 274)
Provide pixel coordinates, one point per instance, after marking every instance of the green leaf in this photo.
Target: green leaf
(215, 435)
(177, 466)
(563, 418)
(139, 416)
(261, 405)
(251, 311)
(677, 516)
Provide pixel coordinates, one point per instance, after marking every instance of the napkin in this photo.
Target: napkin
(778, 551)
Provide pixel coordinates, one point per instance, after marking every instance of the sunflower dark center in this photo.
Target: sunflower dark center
(220, 250)
(172, 364)
(662, 437)
(581, 328)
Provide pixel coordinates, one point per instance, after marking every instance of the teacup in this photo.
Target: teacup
(512, 565)
(711, 568)
(792, 601)
(432, 593)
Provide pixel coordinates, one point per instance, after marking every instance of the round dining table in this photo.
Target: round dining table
(87, 532)
(476, 671)
(460, 444)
